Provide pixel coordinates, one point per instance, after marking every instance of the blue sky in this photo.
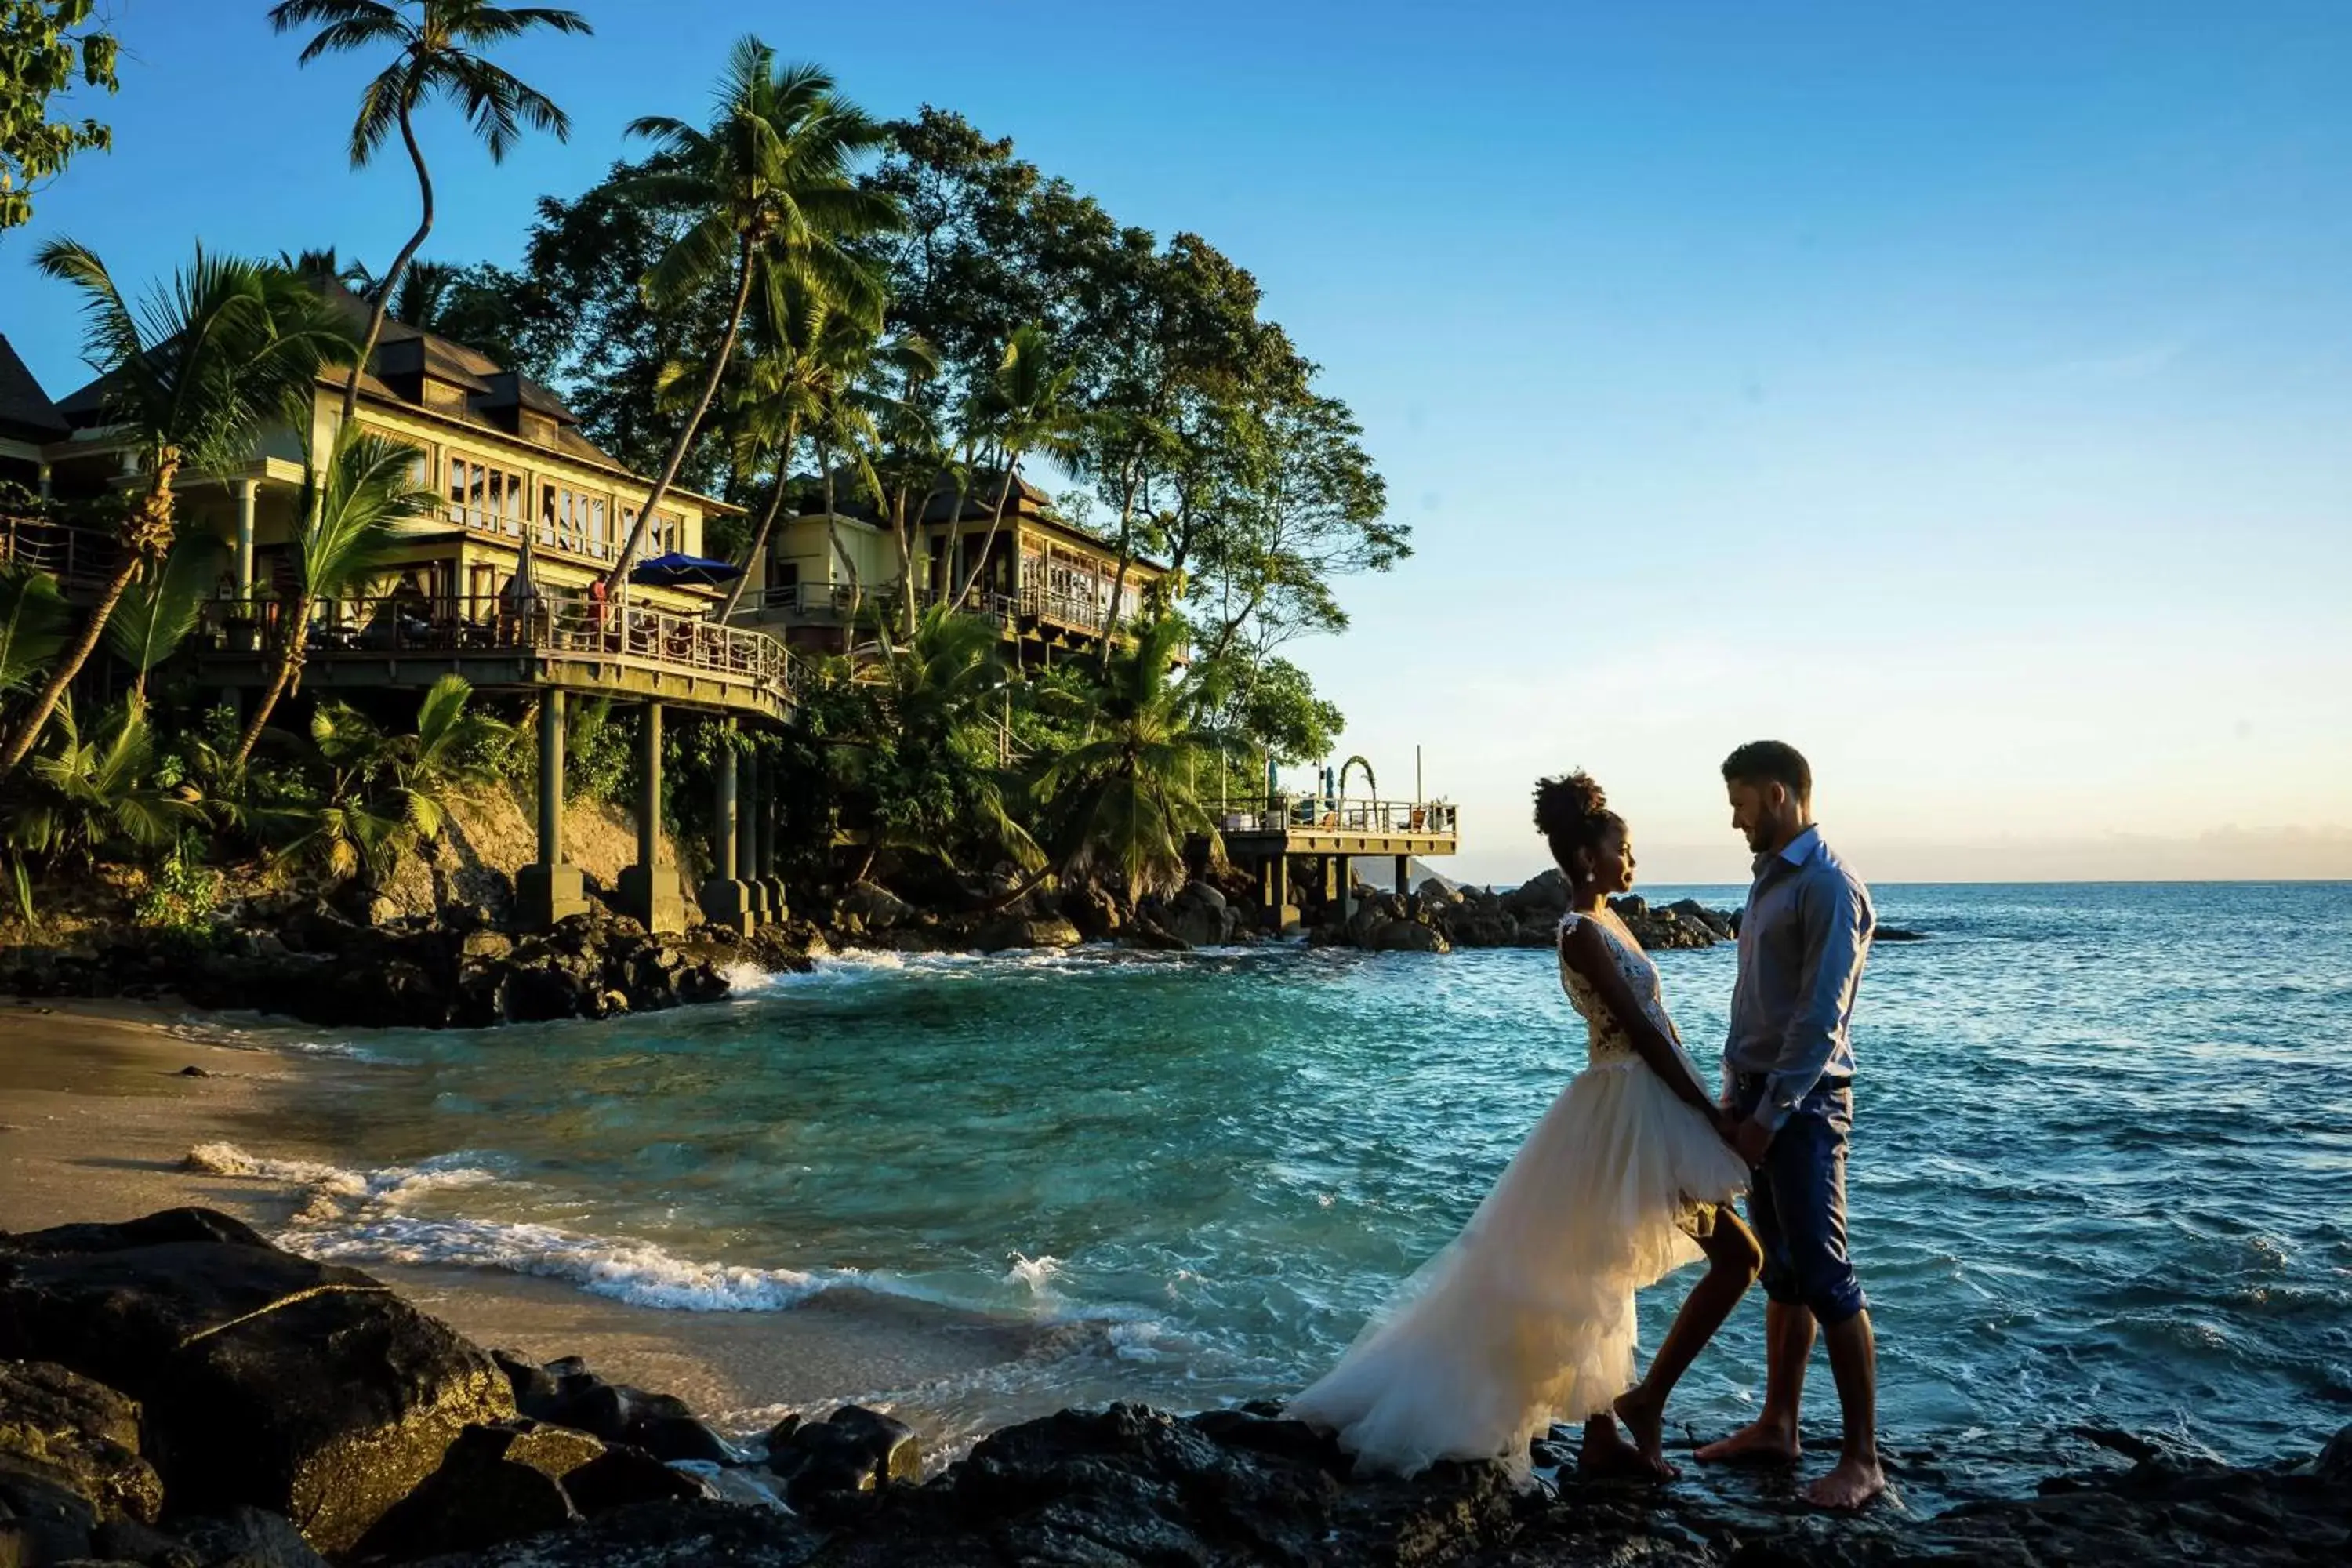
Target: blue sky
(1961, 393)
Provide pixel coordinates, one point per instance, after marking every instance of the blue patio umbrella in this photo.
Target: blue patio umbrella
(676, 570)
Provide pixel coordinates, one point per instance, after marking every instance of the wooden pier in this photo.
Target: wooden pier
(1271, 835)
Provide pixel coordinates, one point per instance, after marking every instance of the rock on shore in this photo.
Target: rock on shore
(312, 963)
(176, 1393)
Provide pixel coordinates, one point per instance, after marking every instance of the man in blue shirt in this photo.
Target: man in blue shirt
(1789, 1070)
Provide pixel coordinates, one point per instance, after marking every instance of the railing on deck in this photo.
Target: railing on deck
(1274, 813)
(76, 557)
(833, 599)
(491, 625)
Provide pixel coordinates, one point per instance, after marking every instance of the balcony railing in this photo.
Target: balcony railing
(1310, 813)
(1034, 604)
(494, 624)
(76, 557)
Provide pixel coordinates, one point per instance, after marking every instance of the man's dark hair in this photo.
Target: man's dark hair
(1771, 762)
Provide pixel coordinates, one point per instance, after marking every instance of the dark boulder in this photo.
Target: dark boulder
(495, 1483)
(60, 1428)
(693, 1534)
(266, 1380)
(249, 1538)
(622, 1476)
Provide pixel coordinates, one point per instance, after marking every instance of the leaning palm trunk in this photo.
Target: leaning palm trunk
(383, 306)
(849, 562)
(286, 677)
(618, 577)
(767, 521)
(147, 538)
(995, 521)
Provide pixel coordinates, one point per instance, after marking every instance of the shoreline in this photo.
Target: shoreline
(96, 1120)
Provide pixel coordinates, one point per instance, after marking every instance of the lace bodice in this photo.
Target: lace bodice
(1609, 1042)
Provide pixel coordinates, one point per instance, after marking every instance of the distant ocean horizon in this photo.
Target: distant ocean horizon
(2098, 1175)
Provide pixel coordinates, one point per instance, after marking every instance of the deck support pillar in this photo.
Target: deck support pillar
(725, 900)
(547, 890)
(649, 889)
(1274, 894)
(770, 885)
(747, 839)
(1345, 880)
(1404, 875)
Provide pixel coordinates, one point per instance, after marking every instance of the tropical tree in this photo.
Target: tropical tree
(45, 44)
(930, 758)
(160, 610)
(771, 180)
(88, 792)
(353, 521)
(190, 379)
(438, 54)
(388, 792)
(1130, 794)
(1027, 406)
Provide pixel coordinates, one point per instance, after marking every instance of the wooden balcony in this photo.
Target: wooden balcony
(626, 651)
(80, 558)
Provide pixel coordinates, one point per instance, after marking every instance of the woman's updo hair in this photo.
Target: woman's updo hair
(1573, 812)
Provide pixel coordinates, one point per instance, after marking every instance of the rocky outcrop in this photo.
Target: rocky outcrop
(265, 1368)
(313, 964)
(265, 1379)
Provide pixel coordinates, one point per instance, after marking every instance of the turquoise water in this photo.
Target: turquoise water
(2102, 1170)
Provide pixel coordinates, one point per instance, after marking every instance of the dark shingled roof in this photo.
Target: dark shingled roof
(25, 410)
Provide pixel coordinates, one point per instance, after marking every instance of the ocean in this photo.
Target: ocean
(2101, 1176)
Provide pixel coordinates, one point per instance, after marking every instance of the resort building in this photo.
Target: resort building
(502, 584)
(1050, 585)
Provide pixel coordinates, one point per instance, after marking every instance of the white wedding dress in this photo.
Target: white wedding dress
(1526, 1317)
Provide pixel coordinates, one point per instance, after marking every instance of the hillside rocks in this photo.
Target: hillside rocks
(310, 962)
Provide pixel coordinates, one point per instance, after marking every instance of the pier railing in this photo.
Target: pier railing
(76, 557)
(498, 625)
(1280, 812)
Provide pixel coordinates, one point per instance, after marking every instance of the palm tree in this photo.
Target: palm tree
(357, 518)
(33, 620)
(161, 609)
(91, 790)
(390, 792)
(1127, 796)
(192, 379)
(1025, 407)
(439, 54)
(770, 177)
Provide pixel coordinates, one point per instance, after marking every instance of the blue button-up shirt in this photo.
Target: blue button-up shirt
(1804, 941)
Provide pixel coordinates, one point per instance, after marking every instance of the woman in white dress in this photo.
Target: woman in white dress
(1526, 1317)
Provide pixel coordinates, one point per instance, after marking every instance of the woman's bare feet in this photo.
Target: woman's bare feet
(1757, 1442)
(1645, 1420)
(1849, 1487)
(1604, 1455)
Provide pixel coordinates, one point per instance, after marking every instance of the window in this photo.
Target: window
(661, 539)
(485, 497)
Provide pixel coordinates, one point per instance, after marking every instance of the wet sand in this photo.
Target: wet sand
(96, 1121)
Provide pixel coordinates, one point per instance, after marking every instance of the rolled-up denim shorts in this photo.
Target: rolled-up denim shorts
(1796, 1201)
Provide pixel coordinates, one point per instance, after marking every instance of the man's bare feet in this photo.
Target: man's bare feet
(1757, 1442)
(1849, 1487)
(1604, 1455)
(1645, 1422)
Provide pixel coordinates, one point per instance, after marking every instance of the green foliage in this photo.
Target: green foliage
(45, 44)
(1126, 798)
(386, 794)
(185, 894)
(160, 609)
(599, 754)
(33, 615)
(94, 794)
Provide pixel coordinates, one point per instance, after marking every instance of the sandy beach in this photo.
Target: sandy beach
(97, 1117)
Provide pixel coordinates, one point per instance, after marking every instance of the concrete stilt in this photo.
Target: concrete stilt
(649, 889)
(1404, 875)
(1343, 877)
(770, 883)
(724, 900)
(747, 836)
(547, 890)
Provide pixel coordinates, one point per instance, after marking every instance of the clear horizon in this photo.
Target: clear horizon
(1959, 395)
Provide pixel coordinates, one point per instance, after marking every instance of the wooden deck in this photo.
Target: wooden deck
(627, 652)
(1307, 825)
